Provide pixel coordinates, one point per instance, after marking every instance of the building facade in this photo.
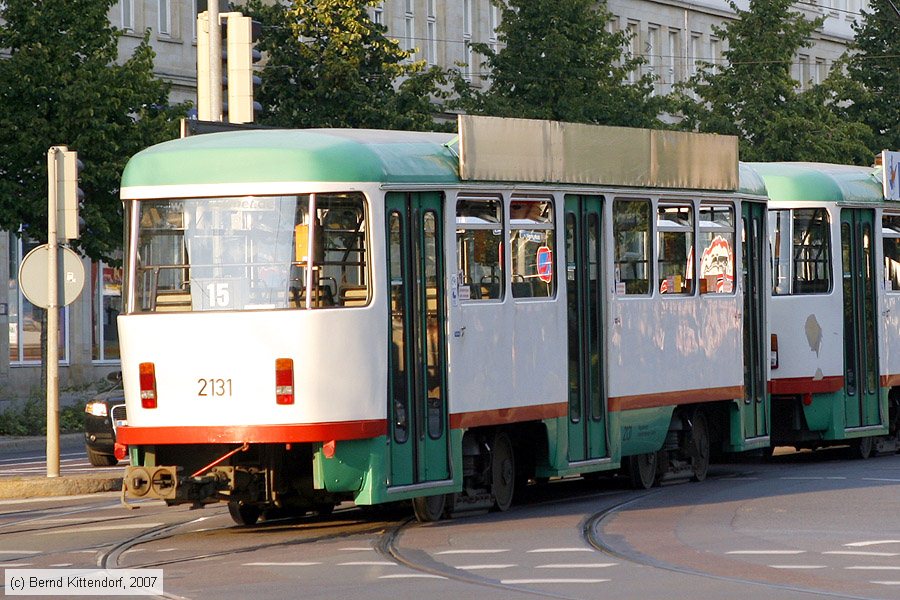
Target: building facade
(671, 34)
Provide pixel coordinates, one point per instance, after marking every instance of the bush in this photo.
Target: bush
(30, 418)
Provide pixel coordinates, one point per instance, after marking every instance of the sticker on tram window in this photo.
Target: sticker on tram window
(213, 293)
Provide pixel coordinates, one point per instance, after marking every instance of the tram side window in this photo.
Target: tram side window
(891, 244)
(479, 236)
(531, 248)
(631, 230)
(675, 262)
(800, 240)
(716, 264)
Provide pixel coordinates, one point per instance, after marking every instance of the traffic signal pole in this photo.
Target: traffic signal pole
(53, 161)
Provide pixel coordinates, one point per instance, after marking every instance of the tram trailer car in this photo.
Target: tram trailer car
(835, 244)
(315, 316)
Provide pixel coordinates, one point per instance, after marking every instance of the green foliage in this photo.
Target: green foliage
(871, 92)
(753, 94)
(61, 85)
(559, 61)
(329, 65)
(30, 418)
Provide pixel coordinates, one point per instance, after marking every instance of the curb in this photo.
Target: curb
(32, 487)
(66, 440)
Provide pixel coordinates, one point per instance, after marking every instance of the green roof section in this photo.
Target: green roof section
(282, 155)
(820, 182)
(750, 181)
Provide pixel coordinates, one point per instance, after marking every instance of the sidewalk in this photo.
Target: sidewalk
(14, 486)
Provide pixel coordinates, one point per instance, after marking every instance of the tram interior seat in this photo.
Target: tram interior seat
(321, 297)
(354, 296)
(173, 301)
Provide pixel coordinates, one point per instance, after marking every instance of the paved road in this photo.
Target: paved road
(798, 527)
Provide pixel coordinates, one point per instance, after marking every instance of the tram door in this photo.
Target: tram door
(753, 236)
(417, 390)
(860, 343)
(584, 286)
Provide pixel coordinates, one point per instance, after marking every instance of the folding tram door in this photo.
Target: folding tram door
(587, 422)
(417, 389)
(753, 238)
(861, 380)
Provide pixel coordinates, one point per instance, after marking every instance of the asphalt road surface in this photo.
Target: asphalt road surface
(800, 526)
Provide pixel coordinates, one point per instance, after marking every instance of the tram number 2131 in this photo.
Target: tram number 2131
(214, 387)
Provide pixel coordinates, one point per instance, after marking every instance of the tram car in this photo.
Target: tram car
(834, 317)
(315, 316)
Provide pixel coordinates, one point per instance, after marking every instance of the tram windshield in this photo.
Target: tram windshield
(249, 253)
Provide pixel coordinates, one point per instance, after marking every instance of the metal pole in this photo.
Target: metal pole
(215, 60)
(52, 317)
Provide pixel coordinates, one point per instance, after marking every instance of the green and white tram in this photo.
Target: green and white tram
(314, 316)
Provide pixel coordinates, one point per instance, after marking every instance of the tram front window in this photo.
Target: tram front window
(250, 253)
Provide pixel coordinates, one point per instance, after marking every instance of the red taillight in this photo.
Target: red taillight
(148, 385)
(284, 381)
(773, 352)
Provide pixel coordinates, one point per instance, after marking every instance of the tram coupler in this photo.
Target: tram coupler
(165, 483)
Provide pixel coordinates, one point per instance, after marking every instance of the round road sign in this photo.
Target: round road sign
(34, 272)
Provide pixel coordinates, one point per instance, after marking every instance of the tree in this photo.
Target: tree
(873, 63)
(752, 94)
(559, 61)
(329, 65)
(61, 85)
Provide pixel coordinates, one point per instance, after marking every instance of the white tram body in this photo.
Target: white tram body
(835, 288)
(321, 315)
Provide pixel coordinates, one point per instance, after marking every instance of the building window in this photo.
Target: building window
(26, 319)
(671, 58)
(165, 17)
(653, 49)
(431, 34)
(409, 20)
(715, 53)
(494, 24)
(106, 300)
(467, 38)
(634, 48)
(127, 15)
(378, 14)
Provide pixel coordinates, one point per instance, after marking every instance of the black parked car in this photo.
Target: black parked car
(102, 416)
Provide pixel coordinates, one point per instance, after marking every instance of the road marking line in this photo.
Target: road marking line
(884, 479)
(886, 582)
(60, 565)
(411, 576)
(872, 568)
(578, 566)
(20, 551)
(560, 550)
(368, 563)
(101, 528)
(358, 549)
(764, 552)
(531, 581)
(475, 567)
(798, 567)
(281, 564)
(10, 565)
(860, 553)
(871, 543)
(495, 551)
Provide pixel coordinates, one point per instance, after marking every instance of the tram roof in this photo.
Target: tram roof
(366, 155)
(282, 155)
(820, 182)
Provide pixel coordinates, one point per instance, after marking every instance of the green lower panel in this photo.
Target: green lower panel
(738, 426)
(362, 467)
(826, 414)
(644, 430)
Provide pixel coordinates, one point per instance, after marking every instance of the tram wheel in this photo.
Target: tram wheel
(503, 471)
(243, 514)
(429, 508)
(642, 470)
(862, 447)
(699, 447)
